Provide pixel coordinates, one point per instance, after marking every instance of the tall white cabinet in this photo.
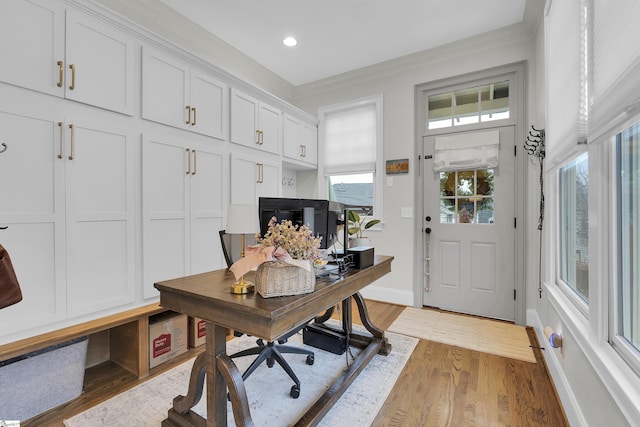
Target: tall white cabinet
(182, 209)
(67, 175)
(255, 123)
(253, 177)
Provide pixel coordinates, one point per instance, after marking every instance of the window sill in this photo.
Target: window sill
(622, 383)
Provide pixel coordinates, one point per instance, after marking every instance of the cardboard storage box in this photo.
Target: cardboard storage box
(197, 331)
(36, 382)
(167, 337)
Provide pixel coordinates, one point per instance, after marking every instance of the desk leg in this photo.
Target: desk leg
(366, 322)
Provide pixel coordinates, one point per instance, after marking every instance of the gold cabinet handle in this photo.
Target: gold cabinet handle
(195, 165)
(257, 137)
(260, 173)
(61, 126)
(188, 161)
(188, 114)
(301, 150)
(194, 116)
(73, 76)
(72, 127)
(261, 137)
(60, 73)
(304, 151)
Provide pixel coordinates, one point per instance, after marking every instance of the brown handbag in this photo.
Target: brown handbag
(9, 288)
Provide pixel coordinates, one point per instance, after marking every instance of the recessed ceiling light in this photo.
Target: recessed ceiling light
(290, 41)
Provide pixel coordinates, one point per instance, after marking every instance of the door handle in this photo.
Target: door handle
(427, 230)
(188, 107)
(194, 117)
(73, 134)
(194, 158)
(61, 126)
(60, 73)
(188, 161)
(73, 76)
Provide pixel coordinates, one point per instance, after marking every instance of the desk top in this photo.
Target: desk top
(207, 296)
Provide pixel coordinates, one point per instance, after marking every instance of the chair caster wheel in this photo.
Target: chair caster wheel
(310, 359)
(295, 391)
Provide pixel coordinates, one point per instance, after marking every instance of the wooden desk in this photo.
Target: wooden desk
(207, 296)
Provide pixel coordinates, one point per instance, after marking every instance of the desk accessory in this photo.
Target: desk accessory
(242, 219)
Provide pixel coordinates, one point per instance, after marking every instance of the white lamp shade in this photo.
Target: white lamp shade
(242, 219)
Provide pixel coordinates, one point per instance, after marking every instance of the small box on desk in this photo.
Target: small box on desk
(167, 337)
(362, 256)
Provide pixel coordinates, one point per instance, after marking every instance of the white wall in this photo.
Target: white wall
(396, 80)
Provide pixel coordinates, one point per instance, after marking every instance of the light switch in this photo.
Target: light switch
(406, 212)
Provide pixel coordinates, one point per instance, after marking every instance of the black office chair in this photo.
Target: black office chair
(271, 352)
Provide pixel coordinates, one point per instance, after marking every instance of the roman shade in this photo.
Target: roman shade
(466, 151)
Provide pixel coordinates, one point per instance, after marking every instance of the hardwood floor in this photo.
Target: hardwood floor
(441, 385)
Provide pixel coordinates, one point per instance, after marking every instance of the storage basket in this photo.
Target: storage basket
(277, 278)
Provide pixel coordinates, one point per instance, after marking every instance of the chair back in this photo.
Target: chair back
(231, 245)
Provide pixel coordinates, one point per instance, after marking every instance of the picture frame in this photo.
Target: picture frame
(397, 166)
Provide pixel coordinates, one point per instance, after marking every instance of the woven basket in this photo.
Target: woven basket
(277, 278)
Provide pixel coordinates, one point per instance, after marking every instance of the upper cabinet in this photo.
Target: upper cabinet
(178, 95)
(254, 123)
(67, 54)
(300, 142)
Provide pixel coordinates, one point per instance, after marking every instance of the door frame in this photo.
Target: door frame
(516, 73)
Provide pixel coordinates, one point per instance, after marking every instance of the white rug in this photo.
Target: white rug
(267, 389)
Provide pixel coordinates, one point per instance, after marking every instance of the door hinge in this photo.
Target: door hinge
(514, 222)
(514, 294)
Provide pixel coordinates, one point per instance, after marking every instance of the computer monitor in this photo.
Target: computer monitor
(321, 216)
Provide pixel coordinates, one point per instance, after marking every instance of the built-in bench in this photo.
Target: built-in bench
(127, 338)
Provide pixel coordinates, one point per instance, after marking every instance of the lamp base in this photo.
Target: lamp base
(242, 287)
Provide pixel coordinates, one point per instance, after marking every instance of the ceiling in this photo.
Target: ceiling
(336, 36)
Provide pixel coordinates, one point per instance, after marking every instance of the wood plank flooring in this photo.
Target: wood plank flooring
(441, 385)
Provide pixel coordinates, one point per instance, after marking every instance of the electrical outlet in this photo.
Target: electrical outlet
(406, 212)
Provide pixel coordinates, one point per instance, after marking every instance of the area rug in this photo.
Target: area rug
(485, 335)
(267, 389)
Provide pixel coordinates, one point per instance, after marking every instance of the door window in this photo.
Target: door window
(466, 197)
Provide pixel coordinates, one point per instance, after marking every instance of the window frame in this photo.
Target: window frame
(566, 288)
(378, 173)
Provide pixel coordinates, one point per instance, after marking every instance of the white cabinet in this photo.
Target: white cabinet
(66, 53)
(181, 96)
(253, 177)
(67, 202)
(300, 141)
(254, 123)
(182, 207)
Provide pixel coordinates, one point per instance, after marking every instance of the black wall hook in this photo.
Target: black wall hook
(4, 148)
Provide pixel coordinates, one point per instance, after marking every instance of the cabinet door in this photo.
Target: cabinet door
(164, 212)
(244, 177)
(244, 116)
(270, 125)
(310, 143)
(103, 62)
(209, 99)
(292, 138)
(270, 184)
(32, 209)
(206, 207)
(100, 216)
(164, 89)
(32, 43)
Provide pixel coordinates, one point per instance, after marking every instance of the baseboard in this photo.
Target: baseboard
(392, 296)
(567, 398)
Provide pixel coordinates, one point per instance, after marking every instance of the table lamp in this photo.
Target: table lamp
(242, 219)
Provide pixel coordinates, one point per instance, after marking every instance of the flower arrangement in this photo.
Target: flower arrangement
(298, 241)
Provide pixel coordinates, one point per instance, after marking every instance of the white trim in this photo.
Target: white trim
(618, 378)
(392, 296)
(560, 381)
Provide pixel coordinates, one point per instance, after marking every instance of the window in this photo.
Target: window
(466, 197)
(574, 226)
(475, 104)
(628, 235)
(352, 143)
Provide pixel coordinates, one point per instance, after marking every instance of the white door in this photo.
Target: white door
(209, 99)
(270, 124)
(470, 250)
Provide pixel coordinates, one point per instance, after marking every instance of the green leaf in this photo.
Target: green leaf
(371, 223)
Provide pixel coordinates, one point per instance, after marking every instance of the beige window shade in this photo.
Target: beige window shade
(466, 151)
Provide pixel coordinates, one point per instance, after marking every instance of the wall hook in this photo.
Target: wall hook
(4, 148)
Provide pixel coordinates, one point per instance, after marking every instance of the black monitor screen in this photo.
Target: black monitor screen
(321, 216)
